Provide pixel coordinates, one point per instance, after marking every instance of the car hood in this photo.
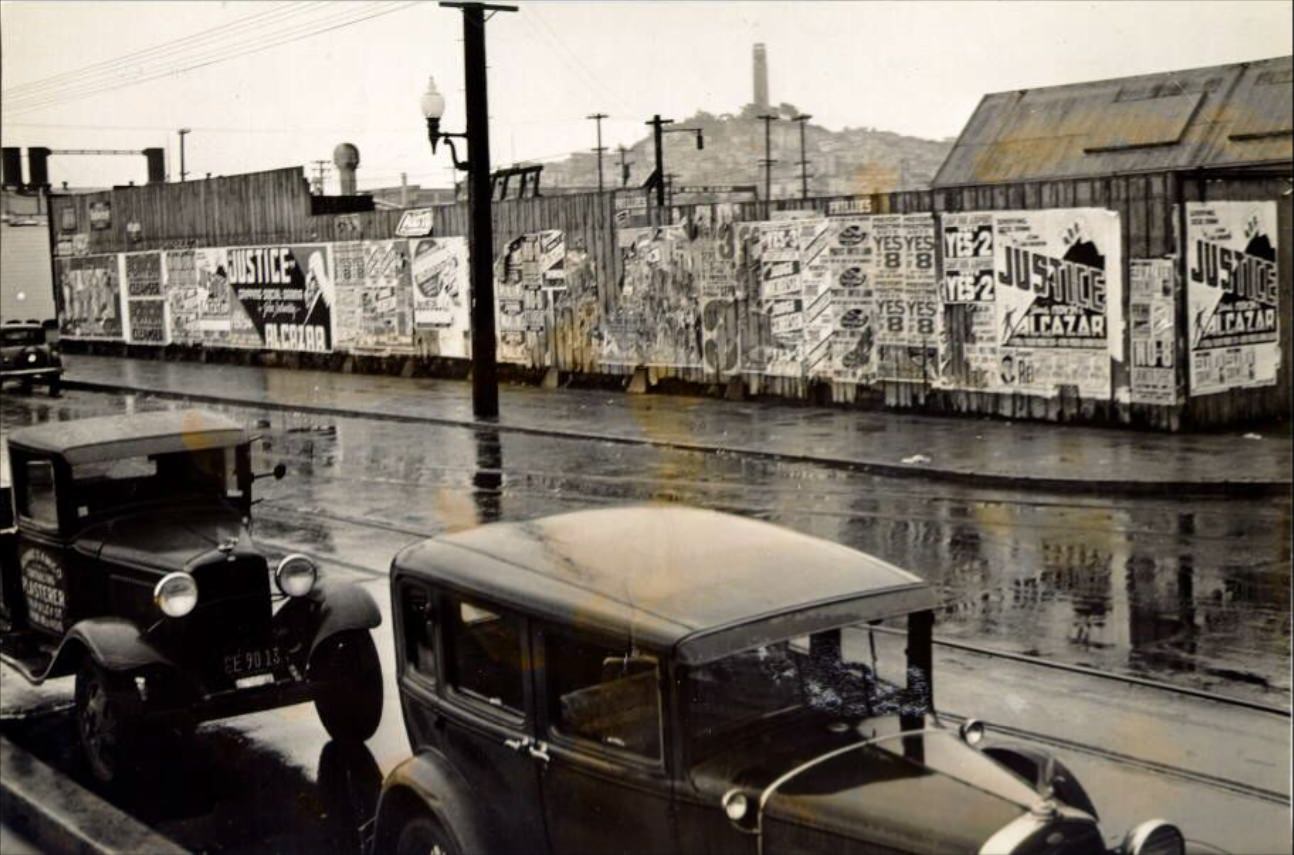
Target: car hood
(925, 792)
(168, 539)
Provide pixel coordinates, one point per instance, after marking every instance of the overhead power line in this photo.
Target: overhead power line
(263, 41)
(186, 43)
(282, 32)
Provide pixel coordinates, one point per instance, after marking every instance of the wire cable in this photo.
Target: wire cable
(261, 41)
(69, 78)
(317, 27)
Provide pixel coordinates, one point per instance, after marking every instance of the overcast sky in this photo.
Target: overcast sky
(915, 68)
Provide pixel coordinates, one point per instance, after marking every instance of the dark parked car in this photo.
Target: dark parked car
(29, 353)
(132, 567)
(663, 679)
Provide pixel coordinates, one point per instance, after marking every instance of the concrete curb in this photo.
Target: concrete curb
(871, 467)
(59, 815)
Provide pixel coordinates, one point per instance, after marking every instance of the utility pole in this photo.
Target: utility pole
(624, 166)
(320, 165)
(658, 125)
(182, 132)
(480, 236)
(768, 119)
(598, 117)
(804, 164)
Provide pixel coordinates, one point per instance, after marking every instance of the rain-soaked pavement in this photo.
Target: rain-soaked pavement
(1190, 591)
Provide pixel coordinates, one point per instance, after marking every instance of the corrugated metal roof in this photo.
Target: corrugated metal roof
(1225, 115)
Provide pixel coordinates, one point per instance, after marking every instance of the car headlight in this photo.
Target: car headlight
(1154, 837)
(176, 594)
(735, 805)
(296, 575)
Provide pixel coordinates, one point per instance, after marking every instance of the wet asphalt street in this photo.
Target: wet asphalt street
(1188, 591)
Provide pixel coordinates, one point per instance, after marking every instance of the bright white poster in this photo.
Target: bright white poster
(1232, 295)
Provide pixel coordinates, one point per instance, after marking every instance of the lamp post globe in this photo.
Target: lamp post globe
(433, 107)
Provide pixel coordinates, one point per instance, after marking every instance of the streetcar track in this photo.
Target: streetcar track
(1165, 769)
(1168, 770)
(1127, 679)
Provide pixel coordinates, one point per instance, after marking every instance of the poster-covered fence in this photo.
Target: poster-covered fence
(1020, 304)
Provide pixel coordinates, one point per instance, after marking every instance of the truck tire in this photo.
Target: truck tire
(348, 679)
(106, 721)
(422, 835)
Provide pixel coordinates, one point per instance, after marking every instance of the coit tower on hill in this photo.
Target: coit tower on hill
(761, 77)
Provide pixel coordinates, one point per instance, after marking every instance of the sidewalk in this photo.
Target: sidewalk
(986, 453)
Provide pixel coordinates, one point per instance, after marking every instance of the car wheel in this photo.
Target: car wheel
(348, 678)
(55, 387)
(25, 386)
(105, 721)
(424, 836)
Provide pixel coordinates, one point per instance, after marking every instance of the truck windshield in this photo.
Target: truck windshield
(101, 487)
(851, 673)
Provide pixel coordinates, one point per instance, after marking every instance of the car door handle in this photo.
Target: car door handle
(517, 744)
(539, 751)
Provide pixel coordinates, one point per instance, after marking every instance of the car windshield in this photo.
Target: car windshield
(103, 486)
(22, 336)
(853, 673)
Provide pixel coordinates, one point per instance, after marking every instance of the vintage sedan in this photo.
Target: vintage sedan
(29, 354)
(664, 679)
(132, 566)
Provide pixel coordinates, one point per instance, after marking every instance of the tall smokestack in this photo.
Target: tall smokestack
(346, 157)
(761, 78)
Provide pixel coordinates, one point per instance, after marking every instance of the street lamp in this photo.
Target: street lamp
(433, 107)
(480, 233)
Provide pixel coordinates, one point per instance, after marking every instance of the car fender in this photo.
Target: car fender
(115, 643)
(432, 782)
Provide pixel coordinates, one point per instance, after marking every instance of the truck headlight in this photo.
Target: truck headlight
(176, 594)
(296, 575)
(1154, 837)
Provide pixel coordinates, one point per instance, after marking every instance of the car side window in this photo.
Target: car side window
(483, 655)
(604, 693)
(419, 630)
(38, 502)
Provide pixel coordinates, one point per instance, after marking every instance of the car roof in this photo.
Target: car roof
(116, 437)
(707, 583)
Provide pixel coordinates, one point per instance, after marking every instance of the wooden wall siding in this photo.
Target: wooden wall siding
(274, 206)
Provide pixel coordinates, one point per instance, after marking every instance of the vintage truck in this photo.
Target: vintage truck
(128, 561)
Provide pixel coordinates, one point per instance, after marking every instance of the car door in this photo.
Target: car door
(602, 751)
(489, 717)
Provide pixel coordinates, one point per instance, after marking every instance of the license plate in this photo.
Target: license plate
(243, 663)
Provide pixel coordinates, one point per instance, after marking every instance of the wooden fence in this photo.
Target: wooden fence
(275, 206)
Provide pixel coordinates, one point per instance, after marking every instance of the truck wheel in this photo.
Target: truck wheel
(348, 678)
(422, 835)
(105, 721)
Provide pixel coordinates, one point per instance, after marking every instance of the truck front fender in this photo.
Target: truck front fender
(427, 782)
(329, 609)
(115, 643)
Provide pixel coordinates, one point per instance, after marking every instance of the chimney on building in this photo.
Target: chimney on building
(761, 78)
(12, 164)
(346, 158)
